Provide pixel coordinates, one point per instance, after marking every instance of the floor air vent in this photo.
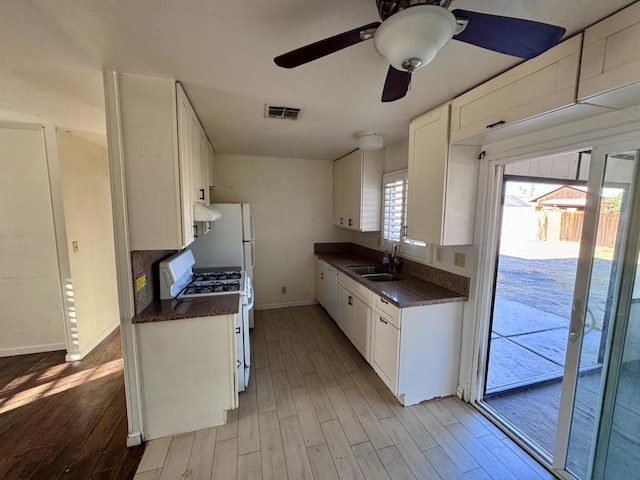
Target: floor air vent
(282, 113)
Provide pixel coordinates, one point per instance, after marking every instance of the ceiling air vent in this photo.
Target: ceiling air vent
(281, 113)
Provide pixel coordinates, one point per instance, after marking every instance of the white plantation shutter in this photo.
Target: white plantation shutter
(394, 209)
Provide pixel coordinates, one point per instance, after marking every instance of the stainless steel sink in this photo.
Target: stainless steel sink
(382, 277)
(366, 269)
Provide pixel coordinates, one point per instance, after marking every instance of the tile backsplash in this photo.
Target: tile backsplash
(146, 261)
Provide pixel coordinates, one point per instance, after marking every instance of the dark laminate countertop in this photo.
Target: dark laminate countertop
(162, 310)
(409, 292)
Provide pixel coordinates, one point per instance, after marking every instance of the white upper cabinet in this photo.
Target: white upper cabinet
(196, 162)
(610, 70)
(357, 190)
(160, 162)
(184, 160)
(442, 183)
(538, 86)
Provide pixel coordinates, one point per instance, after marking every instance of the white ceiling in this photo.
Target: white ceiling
(222, 52)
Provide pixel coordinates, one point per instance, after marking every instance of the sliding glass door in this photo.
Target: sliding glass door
(597, 373)
(585, 423)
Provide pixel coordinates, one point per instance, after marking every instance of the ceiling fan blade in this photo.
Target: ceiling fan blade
(320, 49)
(396, 85)
(512, 36)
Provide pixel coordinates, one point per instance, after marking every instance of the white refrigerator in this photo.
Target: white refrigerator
(229, 243)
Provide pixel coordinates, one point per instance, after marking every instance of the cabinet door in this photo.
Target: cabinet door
(184, 162)
(535, 87)
(204, 167)
(210, 161)
(360, 328)
(386, 344)
(611, 61)
(353, 189)
(428, 151)
(195, 169)
(345, 299)
(338, 193)
(329, 292)
(320, 285)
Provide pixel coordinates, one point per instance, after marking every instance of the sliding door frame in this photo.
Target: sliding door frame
(487, 240)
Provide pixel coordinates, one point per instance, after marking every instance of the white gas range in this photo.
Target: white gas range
(178, 280)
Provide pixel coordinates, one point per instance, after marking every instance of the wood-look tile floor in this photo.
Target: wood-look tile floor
(315, 409)
(65, 420)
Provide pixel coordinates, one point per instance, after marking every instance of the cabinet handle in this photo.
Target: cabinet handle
(237, 329)
(195, 231)
(384, 301)
(500, 122)
(239, 363)
(350, 300)
(384, 321)
(351, 222)
(405, 231)
(341, 220)
(202, 194)
(321, 276)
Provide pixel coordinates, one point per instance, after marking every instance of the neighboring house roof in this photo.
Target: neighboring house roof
(515, 201)
(563, 192)
(564, 202)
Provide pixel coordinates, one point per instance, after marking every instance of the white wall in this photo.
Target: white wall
(292, 204)
(84, 168)
(397, 158)
(32, 317)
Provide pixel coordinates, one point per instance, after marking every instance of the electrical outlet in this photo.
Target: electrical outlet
(283, 290)
(74, 245)
(459, 259)
(439, 254)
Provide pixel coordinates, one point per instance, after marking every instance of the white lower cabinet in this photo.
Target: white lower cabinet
(354, 318)
(385, 349)
(188, 376)
(326, 287)
(414, 350)
(354, 313)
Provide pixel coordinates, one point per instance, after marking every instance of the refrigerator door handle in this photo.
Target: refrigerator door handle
(253, 254)
(248, 295)
(252, 227)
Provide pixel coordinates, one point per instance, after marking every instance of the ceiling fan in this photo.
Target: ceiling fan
(413, 31)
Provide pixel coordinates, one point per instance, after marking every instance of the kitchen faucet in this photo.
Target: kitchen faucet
(395, 261)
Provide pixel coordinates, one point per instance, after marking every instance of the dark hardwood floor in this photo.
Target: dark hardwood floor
(62, 420)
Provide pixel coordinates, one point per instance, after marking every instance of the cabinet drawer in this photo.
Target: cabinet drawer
(364, 294)
(540, 85)
(390, 312)
(357, 289)
(610, 69)
(347, 281)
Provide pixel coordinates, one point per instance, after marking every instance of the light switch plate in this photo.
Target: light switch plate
(459, 259)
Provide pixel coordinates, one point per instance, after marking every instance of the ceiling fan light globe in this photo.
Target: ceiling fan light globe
(416, 33)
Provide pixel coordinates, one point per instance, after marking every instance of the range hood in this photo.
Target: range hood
(202, 213)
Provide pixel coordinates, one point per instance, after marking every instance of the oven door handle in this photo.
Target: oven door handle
(248, 295)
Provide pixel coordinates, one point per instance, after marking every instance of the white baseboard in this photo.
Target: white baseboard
(52, 347)
(72, 357)
(298, 303)
(134, 439)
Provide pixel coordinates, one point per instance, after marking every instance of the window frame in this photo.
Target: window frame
(408, 247)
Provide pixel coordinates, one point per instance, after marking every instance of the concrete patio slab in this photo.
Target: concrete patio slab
(515, 318)
(510, 364)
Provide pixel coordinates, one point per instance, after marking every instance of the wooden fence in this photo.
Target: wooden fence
(571, 227)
